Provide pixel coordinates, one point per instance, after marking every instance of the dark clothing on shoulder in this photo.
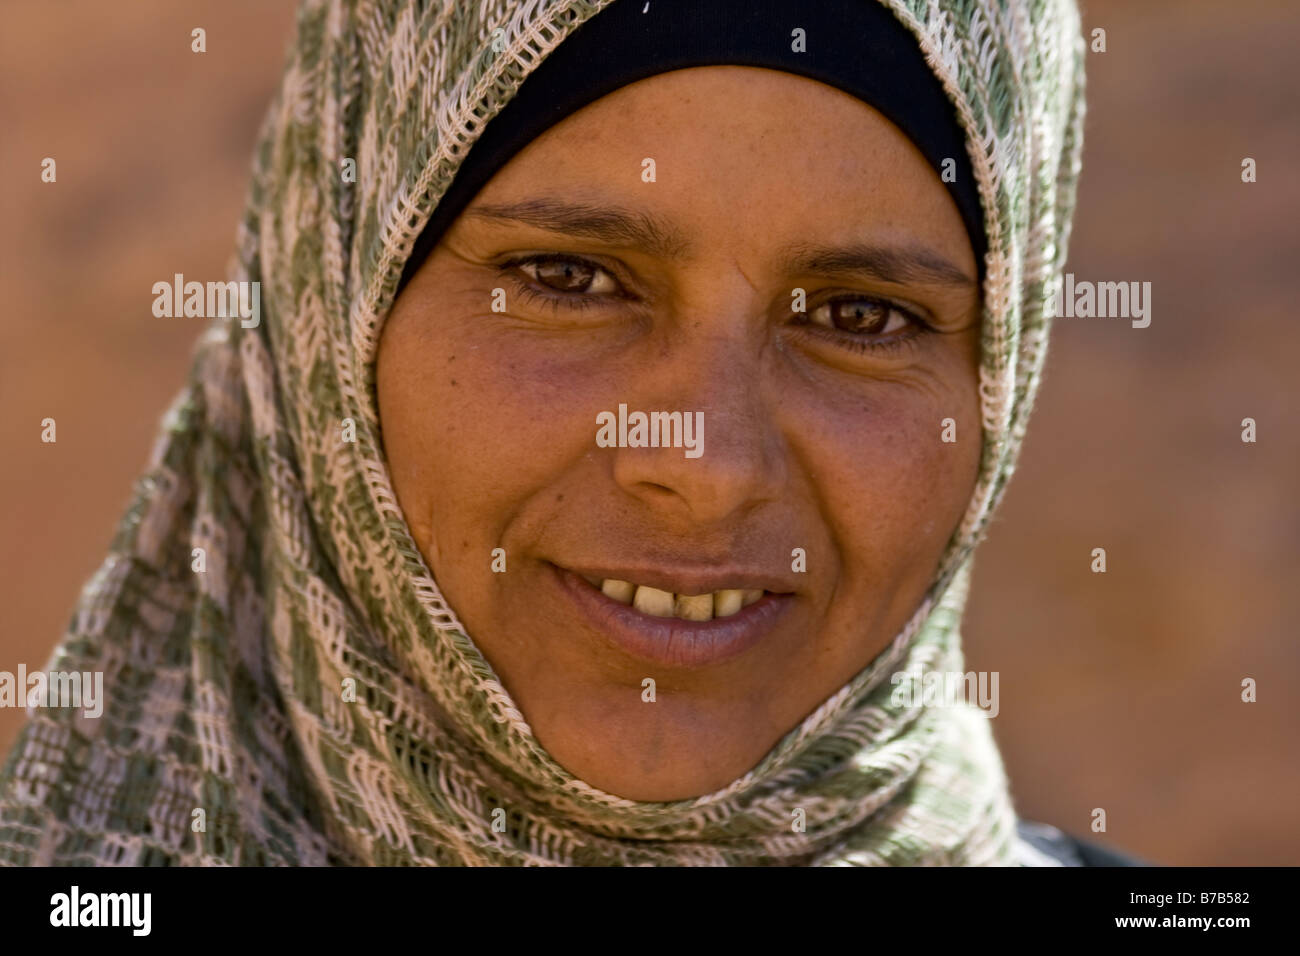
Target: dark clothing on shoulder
(1069, 850)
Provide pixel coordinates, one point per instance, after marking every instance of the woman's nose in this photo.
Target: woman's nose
(731, 457)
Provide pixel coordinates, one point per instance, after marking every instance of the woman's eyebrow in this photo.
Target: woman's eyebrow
(896, 264)
(611, 224)
(614, 224)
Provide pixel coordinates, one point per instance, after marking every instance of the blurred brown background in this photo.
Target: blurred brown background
(1119, 691)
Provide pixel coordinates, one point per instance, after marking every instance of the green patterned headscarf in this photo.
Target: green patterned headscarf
(228, 734)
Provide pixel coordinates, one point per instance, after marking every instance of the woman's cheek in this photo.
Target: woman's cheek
(516, 417)
(900, 488)
(503, 425)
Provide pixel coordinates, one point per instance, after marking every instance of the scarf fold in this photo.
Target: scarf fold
(310, 697)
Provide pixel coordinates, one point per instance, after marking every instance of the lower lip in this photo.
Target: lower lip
(671, 641)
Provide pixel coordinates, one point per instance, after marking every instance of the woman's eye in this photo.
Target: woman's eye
(566, 275)
(862, 315)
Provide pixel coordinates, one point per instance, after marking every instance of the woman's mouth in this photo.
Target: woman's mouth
(674, 628)
(686, 607)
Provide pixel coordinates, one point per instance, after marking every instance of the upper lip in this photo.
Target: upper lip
(682, 578)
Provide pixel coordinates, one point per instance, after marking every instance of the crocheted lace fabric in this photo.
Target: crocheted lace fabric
(223, 687)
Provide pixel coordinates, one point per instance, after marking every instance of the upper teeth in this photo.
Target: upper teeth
(688, 607)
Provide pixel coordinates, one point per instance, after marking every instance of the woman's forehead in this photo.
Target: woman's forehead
(732, 115)
(684, 159)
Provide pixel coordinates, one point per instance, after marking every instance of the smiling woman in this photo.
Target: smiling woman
(824, 422)
(443, 621)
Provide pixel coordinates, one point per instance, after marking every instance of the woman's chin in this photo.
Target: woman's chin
(659, 763)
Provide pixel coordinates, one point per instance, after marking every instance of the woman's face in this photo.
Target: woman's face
(647, 252)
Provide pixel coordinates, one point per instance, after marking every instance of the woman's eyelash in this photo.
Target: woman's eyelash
(854, 342)
(554, 298)
(556, 301)
(847, 340)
